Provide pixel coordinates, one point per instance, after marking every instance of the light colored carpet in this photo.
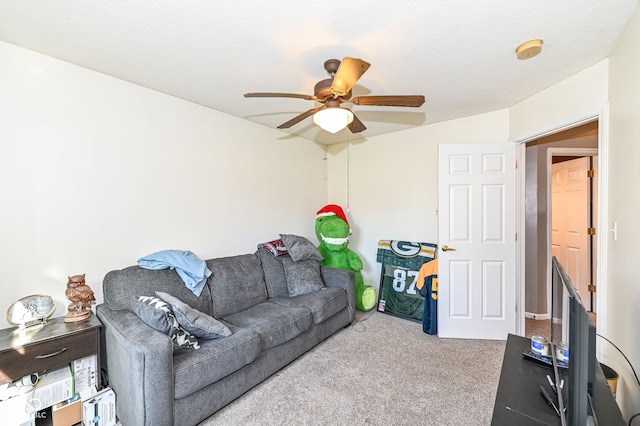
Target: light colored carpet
(382, 370)
(537, 328)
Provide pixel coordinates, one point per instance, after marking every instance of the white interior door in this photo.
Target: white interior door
(477, 221)
(570, 221)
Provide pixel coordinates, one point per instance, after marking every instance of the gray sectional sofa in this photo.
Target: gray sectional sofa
(157, 384)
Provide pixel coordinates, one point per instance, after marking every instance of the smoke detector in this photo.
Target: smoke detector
(529, 49)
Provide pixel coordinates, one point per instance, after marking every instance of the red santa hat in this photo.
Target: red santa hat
(333, 210)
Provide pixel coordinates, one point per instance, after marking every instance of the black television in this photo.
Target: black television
(572, 325)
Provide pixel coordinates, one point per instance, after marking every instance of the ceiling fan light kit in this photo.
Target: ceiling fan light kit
(333, 91)
(529, 49)
(333, 119)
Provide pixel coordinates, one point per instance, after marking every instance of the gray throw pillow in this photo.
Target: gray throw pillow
(157, 314)
(198, 323)
(300, 248)
(303, 276)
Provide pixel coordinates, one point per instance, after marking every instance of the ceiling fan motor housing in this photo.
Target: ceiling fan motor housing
(322, 90)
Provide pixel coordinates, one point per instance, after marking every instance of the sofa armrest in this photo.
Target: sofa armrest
(139, 364)
(341, 278)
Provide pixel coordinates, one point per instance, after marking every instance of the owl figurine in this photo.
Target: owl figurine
(81, 297)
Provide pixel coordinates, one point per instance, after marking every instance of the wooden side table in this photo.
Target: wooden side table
(47, 347)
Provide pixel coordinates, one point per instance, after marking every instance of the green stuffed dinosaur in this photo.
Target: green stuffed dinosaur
(332, 230)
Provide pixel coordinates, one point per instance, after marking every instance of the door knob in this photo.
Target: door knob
(447, 248)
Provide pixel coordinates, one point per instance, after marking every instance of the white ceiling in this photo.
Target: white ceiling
(459, 54)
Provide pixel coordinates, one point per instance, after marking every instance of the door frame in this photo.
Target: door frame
(601, 115)
(555, 152)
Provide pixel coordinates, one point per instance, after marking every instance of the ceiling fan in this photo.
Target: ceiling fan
(335, 90)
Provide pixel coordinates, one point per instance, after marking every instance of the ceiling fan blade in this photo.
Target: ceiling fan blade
(279, 95)
(356, 126)
(299, 118)
(349, 72)
(404, 101)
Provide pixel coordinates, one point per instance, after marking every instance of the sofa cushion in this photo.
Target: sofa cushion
(119, 286)
(303, 276)
(274, 276)
(157, 314)
(199, 324)
(323, 304)
(194, 370)
(237, 283)
(274, 323)
(300, 248)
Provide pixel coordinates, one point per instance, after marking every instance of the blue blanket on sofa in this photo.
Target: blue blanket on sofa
(190, 268)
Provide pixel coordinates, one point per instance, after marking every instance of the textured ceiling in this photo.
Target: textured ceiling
(459, 54)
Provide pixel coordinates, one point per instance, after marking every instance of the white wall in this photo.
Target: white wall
(390, 182)
(570, 100)
(96, 172)
(624, 206)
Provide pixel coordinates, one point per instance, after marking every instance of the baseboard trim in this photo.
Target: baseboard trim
(531, 315)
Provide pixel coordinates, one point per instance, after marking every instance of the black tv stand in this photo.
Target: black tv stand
(518, 400)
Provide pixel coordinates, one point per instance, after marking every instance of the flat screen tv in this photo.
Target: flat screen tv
(572, 325)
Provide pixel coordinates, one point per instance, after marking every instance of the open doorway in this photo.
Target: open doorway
(578, 145)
